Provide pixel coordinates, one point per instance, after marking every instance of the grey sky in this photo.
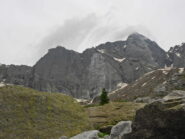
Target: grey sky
(29, 27)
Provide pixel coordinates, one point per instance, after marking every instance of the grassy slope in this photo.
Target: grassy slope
(29, 114)
(112, 113)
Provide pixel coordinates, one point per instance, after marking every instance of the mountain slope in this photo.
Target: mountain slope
(83, 75)
(155, 84)
(26, 113)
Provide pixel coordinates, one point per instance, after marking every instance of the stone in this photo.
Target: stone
(163, 119)
(120, 129)
(93, 134)
(175, 94)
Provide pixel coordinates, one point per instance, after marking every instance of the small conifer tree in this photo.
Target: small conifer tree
(104, 97)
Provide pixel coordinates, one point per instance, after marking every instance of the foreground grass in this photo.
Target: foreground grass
(29, 114)
(112, 113)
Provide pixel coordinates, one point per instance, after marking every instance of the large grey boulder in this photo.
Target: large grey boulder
(160, 120)
(93, 134)
(120, 129)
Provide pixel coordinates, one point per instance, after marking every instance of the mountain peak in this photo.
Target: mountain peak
(137, 36)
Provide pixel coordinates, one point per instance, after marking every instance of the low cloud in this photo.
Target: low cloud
(70, 35)
(81, 33)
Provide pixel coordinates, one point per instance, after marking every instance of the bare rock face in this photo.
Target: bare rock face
(13, 74)
(160, 120)
(83, 75)
(177, 55)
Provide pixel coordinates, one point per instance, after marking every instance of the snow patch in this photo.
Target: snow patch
(153, 77)
(118, 59)
(2, 84)
(144, 84)
(148, 73)
(178, 54)
(120, 86)
(181, 70)
(166, 68)
(164, 82)
(124, 46)
(137, 68)
(80, 100)
(165, 72)
(101, 51)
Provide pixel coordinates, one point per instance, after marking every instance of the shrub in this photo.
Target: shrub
(104, 97)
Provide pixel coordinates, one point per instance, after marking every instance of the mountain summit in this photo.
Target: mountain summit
(109, 65)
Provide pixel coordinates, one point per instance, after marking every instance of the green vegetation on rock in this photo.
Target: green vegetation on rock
(101, 135)
(29, 114)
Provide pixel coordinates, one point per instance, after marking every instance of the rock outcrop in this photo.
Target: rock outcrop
(119, 130)
(177, 55)
(13, 74)
(160, 120)
(93, 134)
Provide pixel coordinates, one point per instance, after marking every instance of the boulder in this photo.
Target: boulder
(144, 100)
(163, 119)
(93, 134)
(120, 129)
(175, 94)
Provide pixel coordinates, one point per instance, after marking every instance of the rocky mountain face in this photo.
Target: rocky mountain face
(83, 75)
(177, 55)
(109, 65)
(13, 74)
(153, 85)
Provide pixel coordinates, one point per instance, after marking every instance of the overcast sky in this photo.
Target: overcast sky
(28, 28)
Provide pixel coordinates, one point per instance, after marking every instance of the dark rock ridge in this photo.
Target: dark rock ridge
(160, 120)
(83, 75)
